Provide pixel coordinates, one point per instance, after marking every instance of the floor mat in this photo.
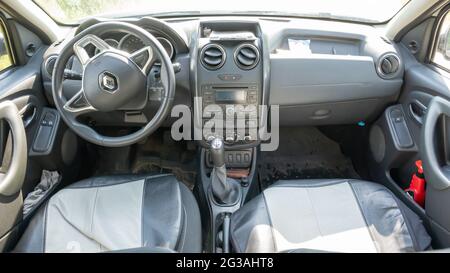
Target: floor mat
(304, 153)
(158, 154)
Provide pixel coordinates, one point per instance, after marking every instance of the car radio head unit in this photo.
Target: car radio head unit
(231, 96)
(227, 97)
(222, 94)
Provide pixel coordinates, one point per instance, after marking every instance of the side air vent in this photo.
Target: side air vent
(50, 64)
(212, 56)
(246, 56)
(389, 65)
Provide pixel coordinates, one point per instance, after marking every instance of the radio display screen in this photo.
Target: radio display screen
(231, 96)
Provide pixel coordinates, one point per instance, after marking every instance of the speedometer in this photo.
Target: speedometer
(130, 43)
(111, 42)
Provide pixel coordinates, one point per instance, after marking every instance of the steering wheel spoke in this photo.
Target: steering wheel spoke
(78, 104)
(80, 51)
(144, 58)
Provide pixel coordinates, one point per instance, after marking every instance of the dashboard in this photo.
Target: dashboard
(317, 72)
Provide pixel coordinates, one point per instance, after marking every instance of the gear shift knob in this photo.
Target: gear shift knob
(226, 191)
(217, 152)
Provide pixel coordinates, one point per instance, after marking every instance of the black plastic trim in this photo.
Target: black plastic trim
(435, 36)
(8, 39)
(24, 21)
(419, 20)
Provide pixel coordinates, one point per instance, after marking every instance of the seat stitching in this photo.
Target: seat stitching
(183, 232)
(45, 227)
(93, 210)
(354, 190)
(182, 222)
(406, 222)
(76, 228)
(144, 189)
(74, 187)
(314, 211)
(271, 224)
(311, 184)
(233, 240)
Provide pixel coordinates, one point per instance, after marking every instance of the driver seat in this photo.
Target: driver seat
(117, 213)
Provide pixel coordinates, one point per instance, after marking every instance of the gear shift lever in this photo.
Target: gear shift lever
(217, 152)
(226, 191)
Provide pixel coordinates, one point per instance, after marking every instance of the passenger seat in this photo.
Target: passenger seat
(327, 216)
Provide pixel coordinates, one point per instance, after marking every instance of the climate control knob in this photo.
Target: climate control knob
(230, 138)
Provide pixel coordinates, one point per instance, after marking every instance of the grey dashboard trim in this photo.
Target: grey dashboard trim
(320, 79)
(311, 80)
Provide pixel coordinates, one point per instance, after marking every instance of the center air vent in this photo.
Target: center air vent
(246, 56)
(212, 56)
(388, 65)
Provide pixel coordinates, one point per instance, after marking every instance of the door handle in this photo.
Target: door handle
(437, 171)
(417, 111)
(11, 182)
(28, 114)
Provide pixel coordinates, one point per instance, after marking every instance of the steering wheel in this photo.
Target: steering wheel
(112, 80)
(436, 168)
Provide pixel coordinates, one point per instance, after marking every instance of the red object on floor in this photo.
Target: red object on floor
(417, 186)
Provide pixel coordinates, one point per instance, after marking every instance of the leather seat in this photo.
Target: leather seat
(327, 215)
(117, 213)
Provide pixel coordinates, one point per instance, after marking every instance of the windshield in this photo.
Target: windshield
(372, 11)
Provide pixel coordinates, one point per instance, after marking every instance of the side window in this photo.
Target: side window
(441, 54)
(6, 59)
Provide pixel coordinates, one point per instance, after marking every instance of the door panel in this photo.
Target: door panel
(423, 82)
(23, 86)
(20, 84)
(393, 164)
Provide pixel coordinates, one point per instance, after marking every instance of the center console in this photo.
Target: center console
(239, 105)
(229, 81)
(229, 77)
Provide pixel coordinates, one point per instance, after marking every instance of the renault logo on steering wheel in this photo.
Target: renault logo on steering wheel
(108, 82)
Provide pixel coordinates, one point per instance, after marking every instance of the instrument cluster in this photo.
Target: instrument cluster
(130, 43)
